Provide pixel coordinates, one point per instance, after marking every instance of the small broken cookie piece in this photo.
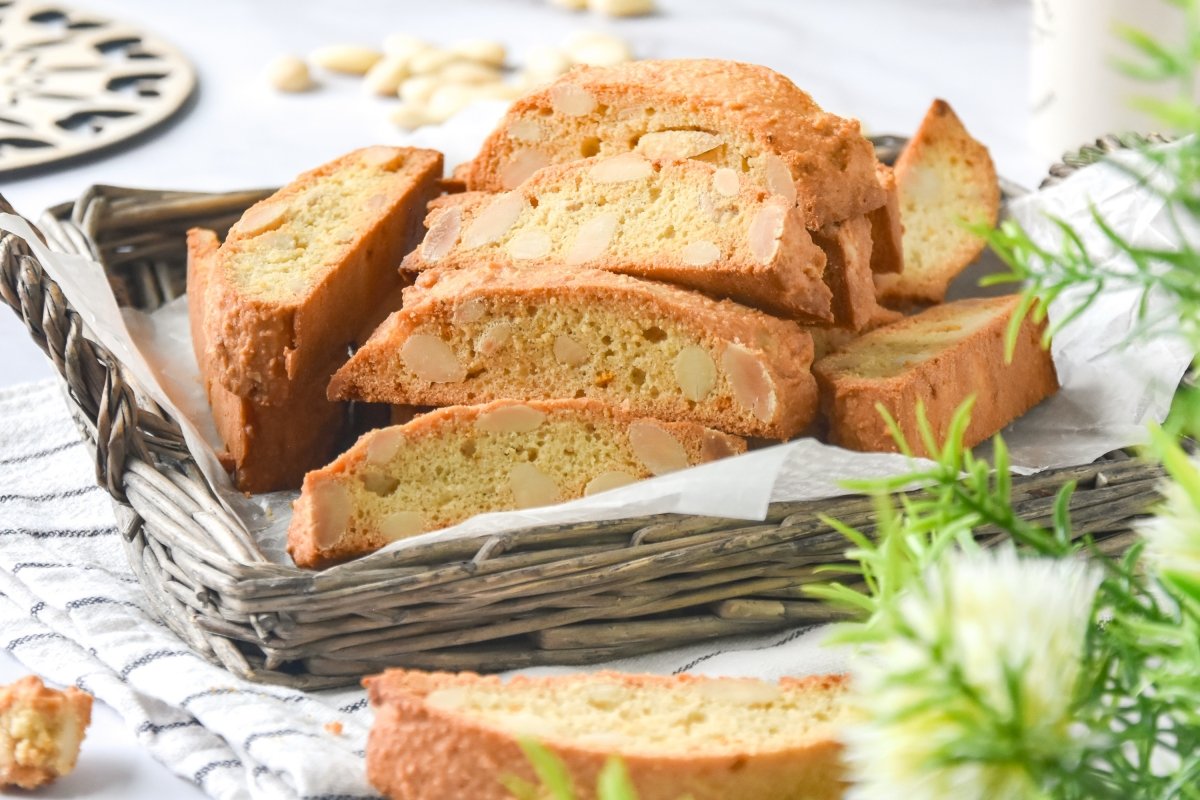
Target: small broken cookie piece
(41, 730)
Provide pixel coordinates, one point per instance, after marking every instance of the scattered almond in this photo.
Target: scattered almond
(752, 386)
(531, 487)
(515, 418)
(495, 220)
(622, 8)
(431, 359)
(613, 479)
(385, 76)
(696, 372)
(430, 60)
(468, 72)
(289, 74)
(404, 45)
(529, 244)
(418, 89)
(545, 63)
(700, 253)
(592, 238)
(569, 352)
(442, 234)
(411, 116)
(483, 51)
(656, 447)
(447, 100)
(600, 51)
(351, 59)
(618, 169)
(678, 144)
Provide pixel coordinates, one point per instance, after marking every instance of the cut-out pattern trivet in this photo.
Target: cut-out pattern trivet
(72, 83)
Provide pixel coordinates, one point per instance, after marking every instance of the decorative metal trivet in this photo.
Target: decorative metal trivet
(72, 83)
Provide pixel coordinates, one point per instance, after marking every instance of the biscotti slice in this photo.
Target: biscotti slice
(847, 246)
(443, 735)
(741, 116)
(456, 462)
(939, 358)
(41, 730)
(684, 222)
(287, 289)
(492, 332)
(887, 228)
(945, 180)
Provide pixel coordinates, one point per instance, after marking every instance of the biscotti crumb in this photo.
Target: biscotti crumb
(334, 728)
(41, 730)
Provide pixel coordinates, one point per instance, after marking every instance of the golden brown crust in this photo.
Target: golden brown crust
(40, 731)
(788, 283)
(756, 109)
(945, 177)
(312, 544)
(848, 250)
(975, 365)
(375, 373)
(256, 347)
(420, 752)
(887, 229)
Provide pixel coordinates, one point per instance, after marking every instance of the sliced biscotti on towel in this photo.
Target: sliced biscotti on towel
(444, 735)
(685, 222)
(288, 287)
(937, 358)
(742, 116)
(492, 332)
(945, 180)
(459, 461)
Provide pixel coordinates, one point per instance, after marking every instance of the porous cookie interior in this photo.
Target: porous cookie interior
(288, 242)
(535, 140)
(699, 717)
(406, 484)
(892, 350)
(560, 347)
(581, 217)
(941, 194)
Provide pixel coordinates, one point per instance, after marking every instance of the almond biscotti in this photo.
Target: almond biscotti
(475, 335)
(945, 180)
(287, 288)
(456, 462)
(298, 279)
(740, 116)
(938, 358)
(684, 222)
(847, 246)
(444, 735)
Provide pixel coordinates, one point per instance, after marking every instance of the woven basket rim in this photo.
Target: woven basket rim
(206, 577)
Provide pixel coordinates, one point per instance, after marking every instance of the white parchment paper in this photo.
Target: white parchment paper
(1111, 387)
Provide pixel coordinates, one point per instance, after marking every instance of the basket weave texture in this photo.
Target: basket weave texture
(568, 594)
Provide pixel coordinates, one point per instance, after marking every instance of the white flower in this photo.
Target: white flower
(981, 674)
(1173, 534)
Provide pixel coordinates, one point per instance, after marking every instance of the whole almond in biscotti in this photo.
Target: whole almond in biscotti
(739, 116)
(456, 462)
(684, 222)
(936, 359)
(945, 181)
(654, 349)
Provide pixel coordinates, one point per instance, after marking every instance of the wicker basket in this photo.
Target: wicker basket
(571, 594)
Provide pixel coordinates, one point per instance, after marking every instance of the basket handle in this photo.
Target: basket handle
(93, 376)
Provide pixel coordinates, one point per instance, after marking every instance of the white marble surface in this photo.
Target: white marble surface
(880, 60)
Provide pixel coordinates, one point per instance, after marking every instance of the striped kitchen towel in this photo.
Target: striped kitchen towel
(72, 611)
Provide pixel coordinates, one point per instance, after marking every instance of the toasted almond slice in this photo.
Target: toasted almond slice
(677, 144)
(403, 524)
(469, 311)
(618, 169)
(605, 481)
(262, 217)
(696, 372)
(524, 163)
(431, 359)
(515, 418)
(572, 101)
(592, 238)
(568, 351)
(495, 220)
(779, 177)
(442, 234)
(657, 447)
(725, 182)
(765, 230)
(494, 338)
(700, 253)
(332, 508)
(383, 445)
(526, 130)
(531, 487)
(529, 244)
(752, 386)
